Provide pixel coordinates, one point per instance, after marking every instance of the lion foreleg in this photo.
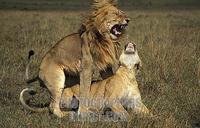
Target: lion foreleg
(85, 76)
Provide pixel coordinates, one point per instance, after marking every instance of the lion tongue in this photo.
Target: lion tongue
(116, 32)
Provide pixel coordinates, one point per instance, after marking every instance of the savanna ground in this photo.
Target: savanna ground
(168, 43)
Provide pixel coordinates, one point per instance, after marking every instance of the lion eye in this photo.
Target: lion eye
(120, 13)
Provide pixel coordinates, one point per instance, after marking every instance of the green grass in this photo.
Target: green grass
(168, 44)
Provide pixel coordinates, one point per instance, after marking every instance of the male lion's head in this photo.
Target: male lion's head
(106, 20)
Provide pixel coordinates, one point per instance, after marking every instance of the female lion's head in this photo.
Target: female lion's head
(106, 20)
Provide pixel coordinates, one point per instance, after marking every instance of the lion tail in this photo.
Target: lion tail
(33, 109)
(28, 81)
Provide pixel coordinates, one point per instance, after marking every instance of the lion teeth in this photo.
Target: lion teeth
(116, 32)
(119, 33)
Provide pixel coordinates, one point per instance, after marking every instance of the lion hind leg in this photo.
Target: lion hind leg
(119, 110)
(68, 101)
(54, 79)
(135, 105)
(141, 109)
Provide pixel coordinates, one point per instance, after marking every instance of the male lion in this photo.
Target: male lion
(117, 92)
(94, 48)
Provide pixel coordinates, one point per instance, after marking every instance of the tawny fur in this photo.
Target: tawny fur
(111, 92)
(93, 48)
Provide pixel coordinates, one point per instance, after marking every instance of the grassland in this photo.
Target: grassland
(82, 5)
(168, 44)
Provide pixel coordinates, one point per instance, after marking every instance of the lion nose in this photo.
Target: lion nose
(127, 20)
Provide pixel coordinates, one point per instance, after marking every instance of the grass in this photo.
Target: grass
(168, 44)
(80, 5)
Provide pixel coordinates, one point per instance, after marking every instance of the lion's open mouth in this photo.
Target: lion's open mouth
(117, 29)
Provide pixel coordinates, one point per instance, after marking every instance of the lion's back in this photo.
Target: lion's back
(69, 46)
(66, 53)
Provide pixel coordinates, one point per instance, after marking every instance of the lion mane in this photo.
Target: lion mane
(102, 48)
